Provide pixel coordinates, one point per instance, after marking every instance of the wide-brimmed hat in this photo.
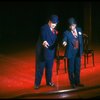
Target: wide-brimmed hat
(54, 19)
(71, 21)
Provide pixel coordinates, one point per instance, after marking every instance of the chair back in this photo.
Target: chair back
(57, 51)
(85, 42)
(60, 51)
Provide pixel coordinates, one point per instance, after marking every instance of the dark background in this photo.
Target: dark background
(20, 21)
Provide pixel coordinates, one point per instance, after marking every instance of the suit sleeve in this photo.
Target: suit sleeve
(64, 36)
(82, 47)
(43, 35)
(82, 42)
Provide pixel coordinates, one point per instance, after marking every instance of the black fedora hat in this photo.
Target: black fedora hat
(54, 19)
(71, 21)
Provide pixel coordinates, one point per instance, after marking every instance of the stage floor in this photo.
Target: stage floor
(17, 73)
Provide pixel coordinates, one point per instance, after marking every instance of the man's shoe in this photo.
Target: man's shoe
(36, 87)
(79, 85)
(73, 86)
(51, 84)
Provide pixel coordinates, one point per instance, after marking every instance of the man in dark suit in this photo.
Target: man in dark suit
(45, 51)
(73, 41)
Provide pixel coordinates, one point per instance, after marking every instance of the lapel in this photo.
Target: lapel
(72, 37)
(51, 35)
(79, 36)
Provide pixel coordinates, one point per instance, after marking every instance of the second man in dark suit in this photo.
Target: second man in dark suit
(74, 48)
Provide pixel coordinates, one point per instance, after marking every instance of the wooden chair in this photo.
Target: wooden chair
(59, 58)
(87, 51)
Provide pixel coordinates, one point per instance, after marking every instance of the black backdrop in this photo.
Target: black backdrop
(21, 20)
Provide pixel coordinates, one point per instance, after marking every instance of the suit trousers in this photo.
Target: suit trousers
(74, 68)
(40, 66)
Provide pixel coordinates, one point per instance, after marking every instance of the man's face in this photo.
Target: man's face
(52, 25)
(72, 27)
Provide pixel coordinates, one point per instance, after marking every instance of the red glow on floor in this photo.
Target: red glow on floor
(17, 73)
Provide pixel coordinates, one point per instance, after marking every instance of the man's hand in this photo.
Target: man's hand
(64, 43)
(45, 44)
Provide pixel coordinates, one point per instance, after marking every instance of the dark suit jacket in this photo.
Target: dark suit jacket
(46, 34)
(68, 37)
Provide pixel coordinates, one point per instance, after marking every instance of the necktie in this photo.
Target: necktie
(53, 31)
(75, 34)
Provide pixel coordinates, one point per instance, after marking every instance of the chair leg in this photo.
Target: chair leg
(58, 64)
(85, 61)
(93, 58)
(87, 58)
(65, 65)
